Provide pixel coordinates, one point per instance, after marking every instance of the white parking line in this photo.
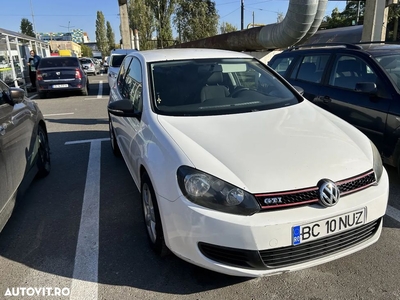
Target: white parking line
(86, 141)
(100, 95)
(393, 213)
(60, 114)
(85, 276)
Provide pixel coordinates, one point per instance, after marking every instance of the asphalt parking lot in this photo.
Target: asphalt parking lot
(79, 233)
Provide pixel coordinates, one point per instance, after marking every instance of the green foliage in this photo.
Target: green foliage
(86, 51)
(347, 17)
(141, 18)
(196, 19)
(27, 27)
(227, 27)
(162, 11)
(392, 30)
(101, 37)
(110, 37)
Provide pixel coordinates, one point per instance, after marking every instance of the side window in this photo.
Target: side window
(311, 68)
(280, 65)
(122, 71)
(133, 84)
(349, 70)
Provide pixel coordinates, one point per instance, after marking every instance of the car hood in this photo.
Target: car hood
(274, 150)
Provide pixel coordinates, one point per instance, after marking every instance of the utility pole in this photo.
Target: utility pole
(253, 19)
(33, 20)
(125, 31)
(242, 15)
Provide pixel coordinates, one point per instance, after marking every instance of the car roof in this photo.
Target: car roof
(187, 53)
(121, 51)
(373, 48)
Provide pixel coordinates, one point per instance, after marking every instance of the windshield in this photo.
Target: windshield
(216, 86)
(391, 64)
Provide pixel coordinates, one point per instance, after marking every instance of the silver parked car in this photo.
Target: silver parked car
(90, 66)
(24, 147)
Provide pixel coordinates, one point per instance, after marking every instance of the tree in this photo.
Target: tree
(162, 11)
(101, 37)
(27, 27)
(196, 19)
(110, 37)
(393, 23)
(279, 18)
(227, 27)
(346, 18)
(141, 17)
(86, 51)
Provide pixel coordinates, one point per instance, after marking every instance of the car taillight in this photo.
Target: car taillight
(91, 65)
(39, 76)
(78, 74)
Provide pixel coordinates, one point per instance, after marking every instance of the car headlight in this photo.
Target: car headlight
(377, 163)
(211, 192)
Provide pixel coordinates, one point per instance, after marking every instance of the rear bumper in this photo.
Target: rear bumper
(60, 86)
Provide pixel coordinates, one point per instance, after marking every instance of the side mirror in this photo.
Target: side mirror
(123, 108)
(366, 87)
(299, 90)
(17, 94)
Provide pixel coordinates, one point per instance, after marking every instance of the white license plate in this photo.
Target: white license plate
(316, 230)
(57, 86)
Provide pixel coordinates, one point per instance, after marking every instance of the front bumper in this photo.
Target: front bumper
(245, 245)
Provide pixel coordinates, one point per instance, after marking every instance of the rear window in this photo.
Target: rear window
(116, 60)
(85, 61)
(58, 62)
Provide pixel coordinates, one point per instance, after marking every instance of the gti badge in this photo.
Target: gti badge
(274, 200)
(328, 193)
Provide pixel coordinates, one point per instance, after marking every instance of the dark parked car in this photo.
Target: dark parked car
(358, 82)
(60, 74)
(24, 147)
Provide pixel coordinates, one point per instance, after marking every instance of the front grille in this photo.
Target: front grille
(310, 194)
(281, 257)
(291, 255)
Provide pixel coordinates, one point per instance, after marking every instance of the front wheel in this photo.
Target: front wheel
(43, 160)
(113, 139)
(152, 217)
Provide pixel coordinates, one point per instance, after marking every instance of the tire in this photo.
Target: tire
(43, 159)
(152, 219)
(113, 140)
(85, 91)
(42, 95)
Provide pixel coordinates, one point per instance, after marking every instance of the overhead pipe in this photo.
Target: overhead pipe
(302, 19)
(319, 16)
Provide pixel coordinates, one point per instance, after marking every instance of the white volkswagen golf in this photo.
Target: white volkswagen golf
(238, 173)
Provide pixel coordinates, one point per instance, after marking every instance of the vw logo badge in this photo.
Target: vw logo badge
(328, 193)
